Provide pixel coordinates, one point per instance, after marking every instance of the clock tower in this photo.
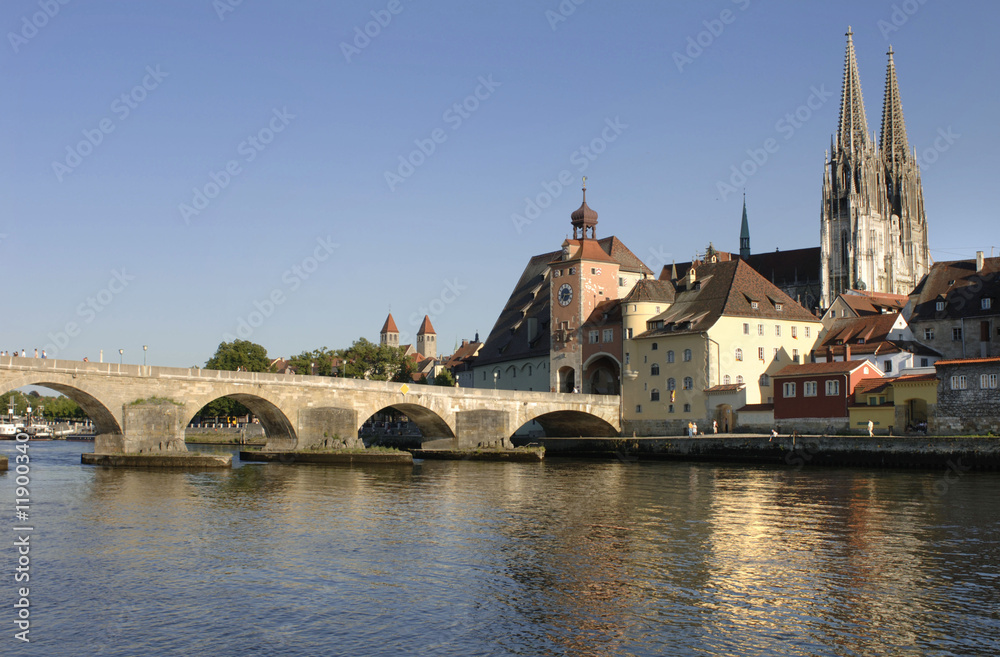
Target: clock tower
(583, 276)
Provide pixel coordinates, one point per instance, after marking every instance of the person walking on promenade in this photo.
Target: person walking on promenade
(871, 428)
(715, 426)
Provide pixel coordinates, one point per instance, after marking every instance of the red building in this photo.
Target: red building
(819, 391)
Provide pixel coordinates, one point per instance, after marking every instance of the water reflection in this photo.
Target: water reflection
(563, 557)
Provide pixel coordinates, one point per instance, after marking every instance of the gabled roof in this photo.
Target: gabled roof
(725, 387)
(836, 367)
(725, 288)
(961, 287)
(779, 267)
(425, 327)
(389, 326)
(872, 386)
(652, 290)
(606, 312)
(873, 303)
(869, 328)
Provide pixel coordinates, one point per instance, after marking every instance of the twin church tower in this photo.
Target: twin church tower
(873, 229)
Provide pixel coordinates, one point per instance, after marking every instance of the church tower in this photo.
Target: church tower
(745, 233)
(389, 334)
(427, 339)
(873, 233)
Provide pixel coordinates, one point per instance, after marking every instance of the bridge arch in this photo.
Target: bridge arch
(104, 419)
(428, 421)
(280, 430)
(569, 424)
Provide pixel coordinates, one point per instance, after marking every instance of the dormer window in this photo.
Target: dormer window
(986, 303)
(777, 307)
(939, 306)
(753, 305)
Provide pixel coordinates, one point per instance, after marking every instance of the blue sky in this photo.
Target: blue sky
(336, 177)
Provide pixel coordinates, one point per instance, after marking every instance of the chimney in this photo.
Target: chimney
(847, 352)
(980, 260)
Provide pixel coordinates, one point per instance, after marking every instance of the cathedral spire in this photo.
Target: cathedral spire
(893, 140)
(745, 232)
(852, 131)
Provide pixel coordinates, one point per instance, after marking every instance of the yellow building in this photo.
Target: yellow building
(700, 347)
(904, 403)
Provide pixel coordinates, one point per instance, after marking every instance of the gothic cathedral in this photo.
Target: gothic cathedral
(873, 229)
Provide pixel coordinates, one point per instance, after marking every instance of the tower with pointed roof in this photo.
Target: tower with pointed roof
(873, 233)
(745, 233)
(427, 339)
(389, 334)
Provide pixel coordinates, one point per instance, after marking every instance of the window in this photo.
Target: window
(687, 355)
(654, 369)
(807, 331)
(777, 307)
(939, 306)
(670, 409)
(627, 357)
(832, 388)
(688, 383)
(833, 313)
(887, 366)
(809, 389)
(795, 334)
(654, 395)
(958, 382)
(760, 353)
(925, 362)
(726, 380)
(739, 354)
(760, 329)
(557, 273)
(765, 381)
(594, 335)
(621, 282)
(986, 304)
(638, 408)
(609, 335)
(746, 329)
(928, 334)
(739, 379)
(777, 355)
(572, 270)
(795, 355)
(753, 304)
(655, 346)
(687, 408)
(987, 381)
(788, 390)
(630, 334)
(956, 334)
(671, 384)
(670, 356)
(777, 330)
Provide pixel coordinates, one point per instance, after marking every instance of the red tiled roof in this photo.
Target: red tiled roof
(967, 361)
(649, 289)
(726, 387)
(872, 385)
(389, 326)
(836, 367)
(870, 328)
(425, 327)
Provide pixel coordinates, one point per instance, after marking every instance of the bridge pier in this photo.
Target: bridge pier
(482, 428)
(149, 427)
(327, 427)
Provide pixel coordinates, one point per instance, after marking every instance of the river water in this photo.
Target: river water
(566, 557)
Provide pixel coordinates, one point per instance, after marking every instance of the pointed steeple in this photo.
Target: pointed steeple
(852, 131)
(745, 233)
(389, 334)
(584, 219)
(893, 143)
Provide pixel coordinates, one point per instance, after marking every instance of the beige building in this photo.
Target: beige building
(699, 348)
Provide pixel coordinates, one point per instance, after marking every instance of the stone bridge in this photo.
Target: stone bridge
(141, 409)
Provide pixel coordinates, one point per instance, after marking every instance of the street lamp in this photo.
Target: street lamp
(144, 348)
(496, 375)
(121, 356)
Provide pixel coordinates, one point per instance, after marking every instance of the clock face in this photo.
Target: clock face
(565, 294)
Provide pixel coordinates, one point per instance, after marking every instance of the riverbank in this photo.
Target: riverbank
(189, 460)
(933, 452)
(332, 457)
(517, 455)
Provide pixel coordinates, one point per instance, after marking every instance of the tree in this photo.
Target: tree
(444, 378)
(366, 360)
(236, 355)
(321, 358)
(240, 354)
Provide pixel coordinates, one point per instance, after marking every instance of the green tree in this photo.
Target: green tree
(444, 378)
(367, 360)
(232, 356)
(240, 354)
(321, 358)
